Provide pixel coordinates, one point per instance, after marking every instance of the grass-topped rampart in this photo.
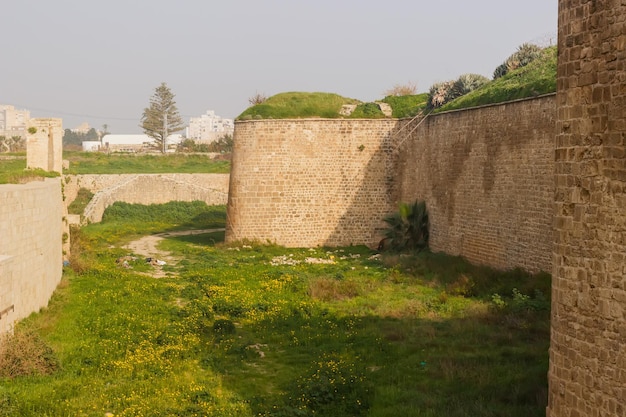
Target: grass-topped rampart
(535, 79)
(529, 72)
(296, 105)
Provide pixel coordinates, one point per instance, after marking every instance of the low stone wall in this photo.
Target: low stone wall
(31, 262)
(145, 189)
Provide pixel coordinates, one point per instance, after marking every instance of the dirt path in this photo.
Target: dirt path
(146, 247)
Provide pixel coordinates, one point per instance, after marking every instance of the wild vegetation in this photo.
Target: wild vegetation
(103, 163)
(534, 79)
(524, 55)
(83, 197)
(407, 106)
(73, 140)
(223, 145)
(407, 229)
(529, 72)
(297, 105)
(444, 92)
(255, 329)
(13, 170)
(10, 144)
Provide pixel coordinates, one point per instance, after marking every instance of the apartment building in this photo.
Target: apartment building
(13, 122)
(209, 127)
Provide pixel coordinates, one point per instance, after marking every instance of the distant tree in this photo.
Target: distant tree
(73, 138)
(161, 118)
(92, 135)
(17, 143)
(257, 98)
(408, 89)
(104, 131)
(11, 144)
(222, 145)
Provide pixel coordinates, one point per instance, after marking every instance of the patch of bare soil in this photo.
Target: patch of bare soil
(147, 247)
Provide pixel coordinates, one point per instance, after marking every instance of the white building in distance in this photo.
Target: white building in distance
(13, 122)
(128, 143)
(209, 127)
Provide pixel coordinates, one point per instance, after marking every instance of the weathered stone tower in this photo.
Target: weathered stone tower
(588, 343)
(44, 144)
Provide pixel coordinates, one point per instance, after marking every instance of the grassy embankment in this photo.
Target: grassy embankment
(252, 330)
(14, 170)
(102, 163)
(535, 79)
(294, 105)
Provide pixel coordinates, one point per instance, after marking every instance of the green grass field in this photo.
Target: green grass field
(14, 170)
(102, 163)
(262, 330)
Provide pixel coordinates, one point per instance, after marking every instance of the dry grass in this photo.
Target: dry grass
(24, 353)
(329, 289)
(77, 244)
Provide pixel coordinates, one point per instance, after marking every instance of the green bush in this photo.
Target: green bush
(176, 212)
(83, 198)
(439, 94)
(442, 93)
(534, 79)
(407, 229)
(525, 54)
(467, 83)
(367, 111)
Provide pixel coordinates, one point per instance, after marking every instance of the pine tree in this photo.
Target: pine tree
(161, 119)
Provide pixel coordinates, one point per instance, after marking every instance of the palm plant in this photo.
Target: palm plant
(407, 228)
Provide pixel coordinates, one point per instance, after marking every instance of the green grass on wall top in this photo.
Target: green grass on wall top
(535, 79)
(298, 105)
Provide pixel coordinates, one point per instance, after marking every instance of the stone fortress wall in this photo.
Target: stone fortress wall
(32, 230)
(486, 175)
(145, 189)
(31, 259)
(311, 182)
(327, 182)
(587, 374)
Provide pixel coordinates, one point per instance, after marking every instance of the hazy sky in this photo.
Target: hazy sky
(100, 61)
